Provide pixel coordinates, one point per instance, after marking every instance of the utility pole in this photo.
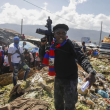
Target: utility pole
(21, 25)
(100, 34)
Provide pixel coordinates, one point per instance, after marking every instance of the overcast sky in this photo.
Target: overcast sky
(79, 14)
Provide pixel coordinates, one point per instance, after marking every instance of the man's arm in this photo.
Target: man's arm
(82, 59)
(10, 50)
(9, 60)
(84, 63)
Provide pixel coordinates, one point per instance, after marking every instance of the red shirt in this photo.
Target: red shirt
(0, 54)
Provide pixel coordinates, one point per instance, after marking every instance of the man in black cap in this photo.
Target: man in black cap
(83, 47)
(66, 71)
(42, 47)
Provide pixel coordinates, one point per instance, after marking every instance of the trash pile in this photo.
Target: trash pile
(40, 87)
(97, 97)
(7, 78)
(106, 39)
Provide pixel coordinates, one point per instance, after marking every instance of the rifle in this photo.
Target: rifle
(48, 33)
(21, 55)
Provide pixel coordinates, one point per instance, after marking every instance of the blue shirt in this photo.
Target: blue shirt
(84, 48)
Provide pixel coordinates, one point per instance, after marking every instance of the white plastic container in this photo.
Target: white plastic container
(84, 86)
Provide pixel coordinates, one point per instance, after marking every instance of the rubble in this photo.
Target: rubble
(97, 97)
(26, 104)
(4, 80)
(40, 87)
(17, 91)
(21, 73)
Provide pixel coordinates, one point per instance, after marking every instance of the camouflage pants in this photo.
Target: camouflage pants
(17, 67)
(65, 94)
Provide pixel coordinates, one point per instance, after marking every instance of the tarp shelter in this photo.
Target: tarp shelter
(35, 41)
(31, 47)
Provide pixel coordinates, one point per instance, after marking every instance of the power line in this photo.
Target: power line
(47, 10)
(37, 6)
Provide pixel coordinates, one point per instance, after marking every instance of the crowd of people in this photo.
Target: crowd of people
(4, 65)
(92, 53)
(61, 58)
(31, 59)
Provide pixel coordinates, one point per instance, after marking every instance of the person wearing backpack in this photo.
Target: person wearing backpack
(61, 61)
(16, 60)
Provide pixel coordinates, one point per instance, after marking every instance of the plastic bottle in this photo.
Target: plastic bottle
(84, 86)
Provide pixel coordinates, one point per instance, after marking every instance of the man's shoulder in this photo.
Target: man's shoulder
(11, 47)
(73, 43)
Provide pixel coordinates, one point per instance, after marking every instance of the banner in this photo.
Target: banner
(85, 39)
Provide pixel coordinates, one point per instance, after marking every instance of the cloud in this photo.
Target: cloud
(13, 14)
(45, 5)
(81, 1)
(68, 15)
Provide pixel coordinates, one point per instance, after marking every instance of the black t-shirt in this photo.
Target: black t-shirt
(65, 64)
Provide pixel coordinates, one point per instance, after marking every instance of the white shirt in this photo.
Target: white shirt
(14, 57)
(31, 56)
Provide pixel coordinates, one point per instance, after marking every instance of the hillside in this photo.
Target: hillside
(6, 34)
(74, 34)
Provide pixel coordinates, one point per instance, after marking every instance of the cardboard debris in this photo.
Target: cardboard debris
(17, 91)
(26, 104)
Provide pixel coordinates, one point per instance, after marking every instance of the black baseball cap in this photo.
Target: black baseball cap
(43, 39)
(61, 26)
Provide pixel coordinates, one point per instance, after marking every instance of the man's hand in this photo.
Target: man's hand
(91, 79)
(43, 43)
(11, 68)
